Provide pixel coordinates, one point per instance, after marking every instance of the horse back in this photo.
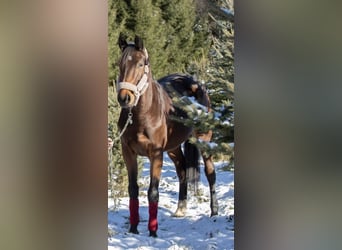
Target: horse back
(180, 85)
(184, 85)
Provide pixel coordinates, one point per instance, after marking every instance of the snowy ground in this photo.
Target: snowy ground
(195, 231)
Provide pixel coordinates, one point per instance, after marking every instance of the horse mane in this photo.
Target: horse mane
(161, 100)
(127, 52)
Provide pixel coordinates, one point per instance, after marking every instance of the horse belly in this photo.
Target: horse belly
(177, 135)
(148, 143)
(142, 145)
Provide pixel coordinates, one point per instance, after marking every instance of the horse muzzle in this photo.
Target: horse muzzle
(126, 98)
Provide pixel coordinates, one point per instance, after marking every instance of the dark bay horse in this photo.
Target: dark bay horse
(148, 130)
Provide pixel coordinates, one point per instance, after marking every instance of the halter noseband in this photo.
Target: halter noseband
(139, 89)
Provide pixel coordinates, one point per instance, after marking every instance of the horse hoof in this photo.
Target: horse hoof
(134, 230)
(213, 214)
(179, 213)
(153, 234)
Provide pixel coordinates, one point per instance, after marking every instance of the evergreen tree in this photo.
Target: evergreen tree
(217, 71)
(170, 31)
(184, 42)
(221, 76)
(117, 16)
(116, 20)
(151, 27)
(117, 174)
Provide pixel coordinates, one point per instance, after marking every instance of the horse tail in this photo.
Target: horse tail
(191, 154)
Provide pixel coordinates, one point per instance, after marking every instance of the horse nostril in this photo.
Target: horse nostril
(128, 99)
(124, 98)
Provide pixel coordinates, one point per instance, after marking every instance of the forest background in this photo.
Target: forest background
(195, 37)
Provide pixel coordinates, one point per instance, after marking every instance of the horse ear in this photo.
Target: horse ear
(122, 42)
(138, 43)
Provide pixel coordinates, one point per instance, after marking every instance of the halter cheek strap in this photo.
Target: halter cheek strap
(138, 89)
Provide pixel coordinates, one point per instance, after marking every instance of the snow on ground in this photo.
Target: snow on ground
(195, 231)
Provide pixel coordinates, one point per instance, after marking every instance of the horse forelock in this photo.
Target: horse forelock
(126, 54)
(129, 52)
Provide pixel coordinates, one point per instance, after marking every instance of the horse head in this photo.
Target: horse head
(133, 71)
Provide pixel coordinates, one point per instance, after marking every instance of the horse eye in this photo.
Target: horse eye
(140, 65)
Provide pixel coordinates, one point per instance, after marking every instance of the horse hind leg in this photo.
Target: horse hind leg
(210, 173)
(211, 177)
(178, 159)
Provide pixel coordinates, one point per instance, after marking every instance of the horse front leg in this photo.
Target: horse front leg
(178, 159)
(130, 159)
(153, 192)
(211, 177)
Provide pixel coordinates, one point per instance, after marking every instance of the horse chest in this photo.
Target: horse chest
(148, 140)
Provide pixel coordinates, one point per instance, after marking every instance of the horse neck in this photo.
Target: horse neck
(154, 101)
(146, 99)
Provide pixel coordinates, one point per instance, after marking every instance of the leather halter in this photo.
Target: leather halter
(139, 89)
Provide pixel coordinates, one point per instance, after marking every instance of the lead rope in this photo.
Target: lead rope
(129, 121)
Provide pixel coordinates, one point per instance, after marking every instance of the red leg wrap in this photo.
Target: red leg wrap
(134, 211)
(153, 211)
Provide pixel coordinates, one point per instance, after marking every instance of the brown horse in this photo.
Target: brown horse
(148, 130)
